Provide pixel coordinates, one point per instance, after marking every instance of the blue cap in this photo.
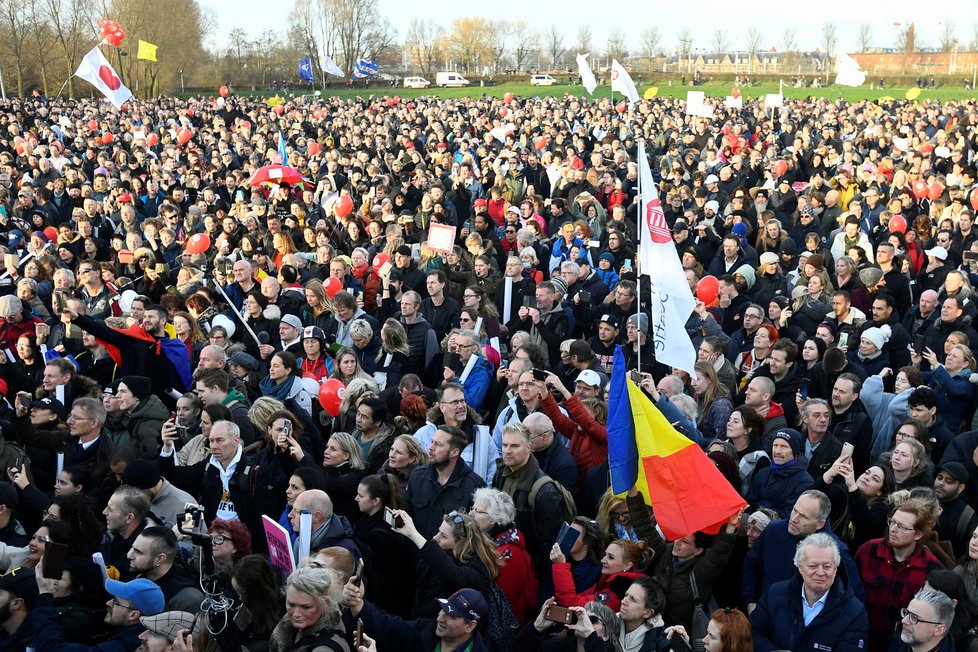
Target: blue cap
(146, 597)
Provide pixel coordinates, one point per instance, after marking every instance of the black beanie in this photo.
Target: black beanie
(140, 386)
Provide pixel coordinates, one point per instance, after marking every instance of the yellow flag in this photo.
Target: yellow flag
(146, 51)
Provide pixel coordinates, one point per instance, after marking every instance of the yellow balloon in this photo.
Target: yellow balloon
(651, 92)
(913, 94)
(274, 101)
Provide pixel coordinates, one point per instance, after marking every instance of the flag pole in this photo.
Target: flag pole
(638, 259)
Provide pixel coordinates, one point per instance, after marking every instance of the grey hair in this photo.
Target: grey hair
(233, 429)
(570, 266)
(686, 405)
(318, 584)
(811, 403)
(530, 253)
(499, 504)
(610, 620)
(672, 384)
(468, 332)
(942, 605)
(818, 540)
(361, 328)
(824, 505)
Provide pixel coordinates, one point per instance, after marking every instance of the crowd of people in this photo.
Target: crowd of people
(191, 362)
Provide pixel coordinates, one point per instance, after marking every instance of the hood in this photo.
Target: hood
(774, 411)
(150, 407)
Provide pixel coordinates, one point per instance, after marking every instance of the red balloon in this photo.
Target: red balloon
(780, 167)
(397, 100)
(735, 92)
(51, 233)
(152, 140)
(92, 125)
(380, 260)
(314, 148)
(919, 188)
(343, 206)
(102, 22)
(410, 105)
(332, 285)
(331, 396)
(707, 289)
(621, 107)
(508, 98)
(503, 112)
(935, 191)
(184, 136)
(106, 138)
(224, 91)
(279, 110)
(198, 243)
(898, 224)
(539, 142)
(974, 199)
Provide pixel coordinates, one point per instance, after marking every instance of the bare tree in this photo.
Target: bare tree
(525, 41)
(555, 46)
(829, 38)
(422, 39)
(14, 16)
(650, 41)
(344, 30)
(616, 45)
(865, 37)
(974, 37)
(721, 41)
(67, 21)
(948, 39)
(684, 43)
(584, 39)
(754, 38)
(789, 41)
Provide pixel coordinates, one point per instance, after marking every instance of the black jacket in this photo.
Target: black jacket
(428, 502)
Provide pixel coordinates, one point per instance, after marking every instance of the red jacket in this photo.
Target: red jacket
(890, 585)
(609, 589)
(10, 333)
(589, 439)
(516, 576)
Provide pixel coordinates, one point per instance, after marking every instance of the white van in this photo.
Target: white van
(416, 82)
(449, 78)
(542, 80)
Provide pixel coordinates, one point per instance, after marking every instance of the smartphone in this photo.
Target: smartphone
(636, 376)
(11, 260)
(567, 537)
(126, 257)
(287, 428)
(19, 463)
(919, 344)
(453, 361)
(467, 225)
(358, 636)
(628, 265)
(392, 519)
(847, 449)
(803, 388)
(560, 615)
(540, 374)
(357, 578)
(335, 347)
(585, 296)
(60, 299)
(54, 558)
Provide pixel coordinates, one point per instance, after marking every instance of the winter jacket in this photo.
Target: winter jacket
(886, 409)
(589, 439)
(478, 435)
(540, 521)
(516, 575)
(772, 559)
(428, 502)
(955, 395)
(441, 575)
(396, 635)
(145, 422)
(608, 589)
(49, 636)
(779, 488)
(778, 623)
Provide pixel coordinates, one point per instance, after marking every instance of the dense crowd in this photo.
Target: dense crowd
(199, 360)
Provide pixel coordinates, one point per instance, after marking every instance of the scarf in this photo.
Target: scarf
(280, 391)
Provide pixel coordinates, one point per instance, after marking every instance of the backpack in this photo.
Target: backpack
(501, 625)
(568, 506)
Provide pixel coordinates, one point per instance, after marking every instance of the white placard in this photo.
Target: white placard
(772, 100)
(734, 102)
(507, 299)
(441, 237)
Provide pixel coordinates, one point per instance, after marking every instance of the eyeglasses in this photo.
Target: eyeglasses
(899, 527)
(914, 618)
(455, 403)
(510, 230)
(621, 516)
(115, 603)
(218, 539)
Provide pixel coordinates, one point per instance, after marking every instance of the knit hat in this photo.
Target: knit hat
(740, 230)
(640, 321)
(141, 474)
(768, 258)
(793, 437)
(140, 386)
(877, 335)
(610, 257)
(747, 272)
(817, 261)
(870, 276)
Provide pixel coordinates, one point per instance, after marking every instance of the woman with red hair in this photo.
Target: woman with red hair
(230, 541)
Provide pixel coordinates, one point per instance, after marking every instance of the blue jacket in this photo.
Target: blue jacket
(772, 559)
(886, 409)
(477, 383)
(778, 623)
(779, 488)
(955, 394)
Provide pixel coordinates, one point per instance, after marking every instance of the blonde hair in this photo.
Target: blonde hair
(349, 445)
(261, 411)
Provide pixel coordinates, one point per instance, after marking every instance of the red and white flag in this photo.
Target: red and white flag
(672, 300)
(96, 70)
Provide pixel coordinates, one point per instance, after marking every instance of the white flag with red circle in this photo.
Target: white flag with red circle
(96, 70)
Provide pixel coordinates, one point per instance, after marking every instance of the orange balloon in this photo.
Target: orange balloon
(508, 98)
(92, 125)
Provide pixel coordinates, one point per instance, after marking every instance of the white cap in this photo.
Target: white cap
(937, 252)
(589, 377)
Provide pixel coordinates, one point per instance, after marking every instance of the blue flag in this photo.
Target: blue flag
(305, 70)
(365, 68)
(281, 149)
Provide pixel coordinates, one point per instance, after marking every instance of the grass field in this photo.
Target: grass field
(712, 89)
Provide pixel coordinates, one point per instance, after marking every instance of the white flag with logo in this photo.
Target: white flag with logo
(96, 70)
(587, 77)
(672, 300)
(622, 82)
(330, 68)
(849, 72)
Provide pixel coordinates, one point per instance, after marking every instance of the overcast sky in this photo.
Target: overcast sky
(771, 17)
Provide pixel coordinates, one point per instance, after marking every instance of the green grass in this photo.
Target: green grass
(712, 89)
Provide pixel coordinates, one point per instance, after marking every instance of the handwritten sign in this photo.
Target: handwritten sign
(279, 545)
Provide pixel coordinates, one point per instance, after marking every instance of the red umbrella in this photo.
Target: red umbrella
(275, 174)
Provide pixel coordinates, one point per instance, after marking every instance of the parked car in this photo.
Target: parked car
(542, 80)
(416, 82)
